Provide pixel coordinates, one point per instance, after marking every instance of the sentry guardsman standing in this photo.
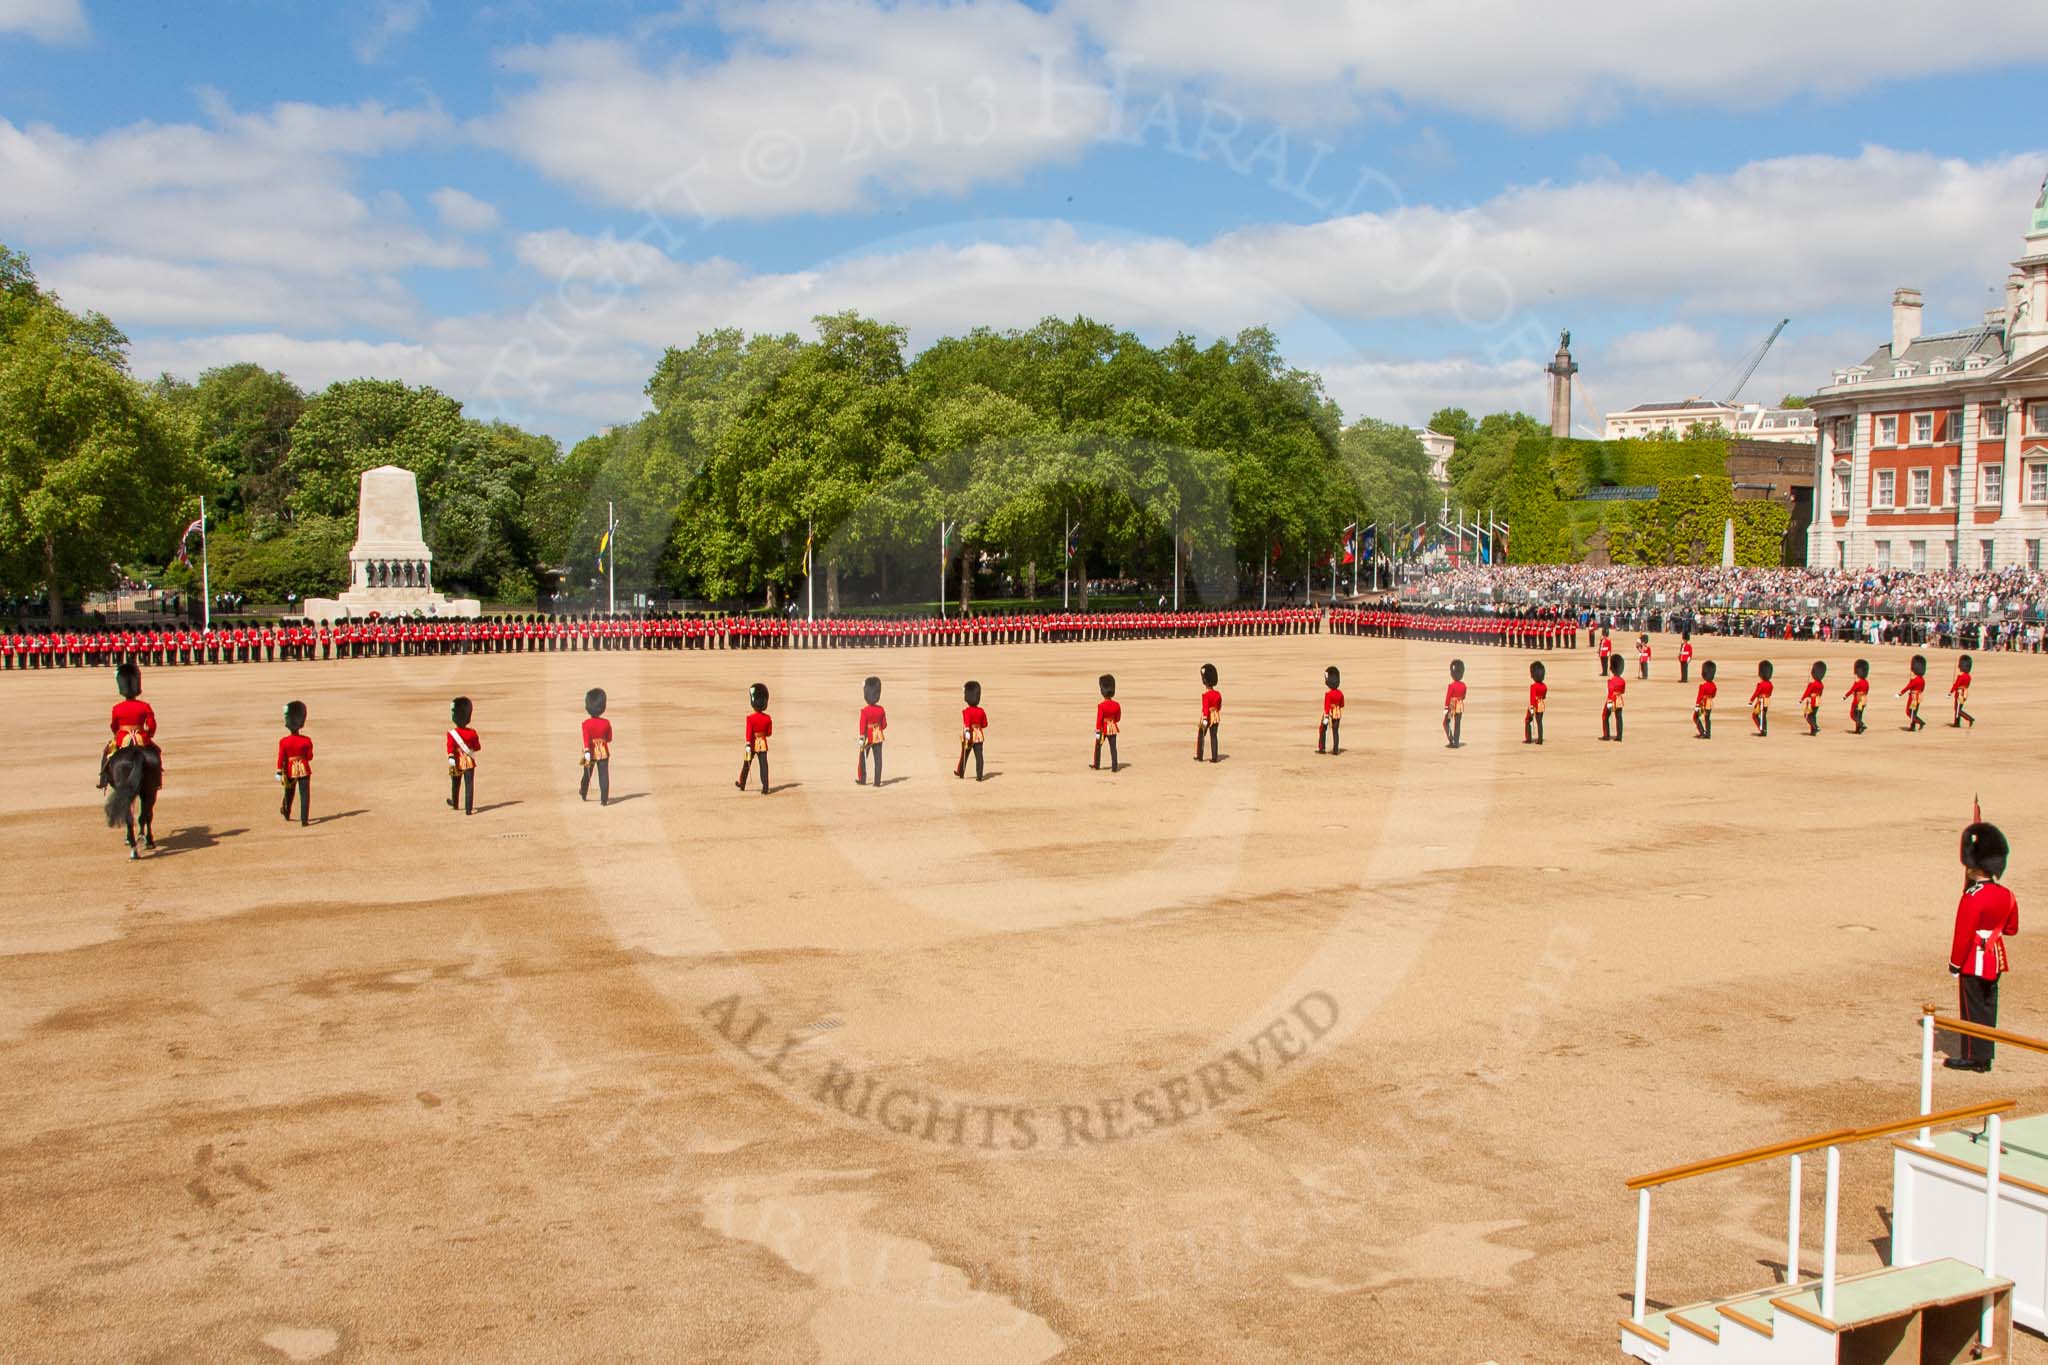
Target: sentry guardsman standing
(1109, 718)
(1859, 695)
(295, 763)
(1212, 714)
(1703, 703)
(973, 729)
(1685, 656)
(463, 743)
(1810, 699)
(1539, 700)
(597, 748)
(760, 725)
(1959, 694)
(1915, 688)
(1333, 711)
(1986, 916)
(874, 727)
(1617, 687)
(1454, 705)
(1642, 657)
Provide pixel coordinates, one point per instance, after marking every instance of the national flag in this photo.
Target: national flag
(604, 544)
(1350, 551)
(807, 552)
(1485, 551)
(1415, 545)
(184, 541)
(1372, 535)
(1074, 541)
(1278, 548)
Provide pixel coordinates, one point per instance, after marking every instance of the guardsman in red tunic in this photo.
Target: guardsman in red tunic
(1703, 703)
(1760, 701)
(1212, 714)
(463, 743)
(1642, 657)
(1959, 694)
(295, 763)
(874, 728)
(1859, 695)
(760, 725)
(133, 723)
(1454, 706)
(1986, 916)
(597, 748)
(1915, 688)
(1811, 698)
(1109, 719)
(1610, 711)
(1333, 711)
(1539, 699)
(1606, 650)
(973, 730)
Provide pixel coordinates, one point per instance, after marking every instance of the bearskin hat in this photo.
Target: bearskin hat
(757, 696)
(1861, 668)
(1458, 670)
(295, 716)
(593, 701)
(1615, 665)
(461, 710)
(1964, 663)
(1208, 675)
(1707, 671)
(1332, 678)
(1763, 670)
(971, 693)
(1820, 669)
(1107, 682)
(1536, 671)
(1985, 849)
(128, 680)
(871, 688)
(1919, 665)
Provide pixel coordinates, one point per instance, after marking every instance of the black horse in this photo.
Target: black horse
(133, 773)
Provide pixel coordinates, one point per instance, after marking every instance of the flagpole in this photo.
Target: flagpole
(205, 571)
(1067, 560)
(611, 559)
(945, 529)
(809, 613)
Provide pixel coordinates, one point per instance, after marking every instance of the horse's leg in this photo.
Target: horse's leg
(130, 819)
(149, 819)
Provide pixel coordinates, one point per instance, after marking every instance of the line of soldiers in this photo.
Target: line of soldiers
(1541, 628)
(291, 640)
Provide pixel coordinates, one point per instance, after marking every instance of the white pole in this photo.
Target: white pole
(1357, 549)
(1792, 1227)
(611, 562)
(1176, 559)
(810, 614)
(945, 527)
(1991, 1131)
(1067, 561)
(205, 571)
(1642, 1248)
(1926, 1076)
(1827, 1244)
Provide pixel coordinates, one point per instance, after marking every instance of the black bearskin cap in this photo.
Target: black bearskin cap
(593, 701)
(295, 716)
(461, 710)
(1685, 635)
(1642, 639)
(1861, 668)
(1820, 669)
(1763, 670)
(1919, 665)
(128, 681)
(1615, 665)
(971, 693)
(1536, 671)
(1331, 677)
(1458, 670)
(757, 696)
(1964, 663)
(1107, 682)
(1707, 671)
(1984, 849)
(1208, 675)
(871, 688)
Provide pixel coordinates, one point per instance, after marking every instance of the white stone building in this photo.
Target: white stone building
(1933, 451)
(1750, 421)
(1439, 447)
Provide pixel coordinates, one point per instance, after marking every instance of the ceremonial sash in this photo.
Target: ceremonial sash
(1990, 961)
(464, 758)
(1109, 727)
(1336, 713)
(600, 750)
(760, 744)
(874, 734)
(297, 768)
(974, 734)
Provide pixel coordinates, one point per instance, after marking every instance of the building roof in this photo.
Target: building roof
(1986, 340)
(1685, 404)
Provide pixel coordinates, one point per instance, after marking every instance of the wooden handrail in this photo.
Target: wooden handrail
(1748, 1158)
(1984, 1031)
(1962, 1115)
(1841, 1137)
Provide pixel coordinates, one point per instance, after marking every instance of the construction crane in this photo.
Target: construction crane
(1756, 358)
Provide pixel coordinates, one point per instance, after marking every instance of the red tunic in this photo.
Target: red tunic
(1537, 692)
(1333, 702)
(1812, 695)
(134, 715)
(1454, 692)
(1107, 712)
(1984, 906)
(759, 726)
(1212, 704)
(974, 720)
(1961, 684)
(468, 737)
(1615, 687)
(596, 728)
(294, 747)
(1708, 691)
(1762, 692)
(874, 724)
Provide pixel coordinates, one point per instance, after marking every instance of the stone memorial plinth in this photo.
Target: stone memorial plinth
(390, 570)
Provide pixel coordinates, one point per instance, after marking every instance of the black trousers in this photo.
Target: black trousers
(961, 771)
(1980, 1006)
(604, 779)
(462, 786)
(865, 751)
(302, 787)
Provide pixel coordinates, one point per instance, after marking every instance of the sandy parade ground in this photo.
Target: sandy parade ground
(1286, 1058)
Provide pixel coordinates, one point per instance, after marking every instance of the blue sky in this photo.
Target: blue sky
(522, 202)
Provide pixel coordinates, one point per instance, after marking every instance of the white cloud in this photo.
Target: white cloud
(395, 19)
(462, 211)
(144, 291)
(1544, 64)
(51, 21)
(819, 105)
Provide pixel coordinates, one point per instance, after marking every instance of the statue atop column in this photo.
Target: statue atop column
(1562, 368)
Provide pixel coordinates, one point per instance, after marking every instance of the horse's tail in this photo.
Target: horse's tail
(124, 784)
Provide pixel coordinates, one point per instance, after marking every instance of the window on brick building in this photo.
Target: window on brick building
(2037, 418)
(1950, 476)
(1984, 551)
(1886, 493)
(1919, 487)
(1994, 485)
(2034, 555)
(1994, 419)
(1923, 428)
(1887, 431)
(2037, 482)
(1919, 556)
(1884, 554)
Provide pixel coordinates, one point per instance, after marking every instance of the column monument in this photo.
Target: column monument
(390, 570)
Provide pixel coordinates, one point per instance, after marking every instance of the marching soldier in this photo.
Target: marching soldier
(1212, 714)
(760, 725)
(1454, 705)
(1333, 712)
(1986, 916)
(1685, 656)
(1760, 700)
(295, 763)
(1915, 688)
(597, 748)
(874, 728)
(1811, 698)
(1539, 699)
(1109, 718)
(973, 730)
(1703, 703)
(463, 743)
(1959, 694)
(1859, 695)
(1642, 657)
(1610, 711)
